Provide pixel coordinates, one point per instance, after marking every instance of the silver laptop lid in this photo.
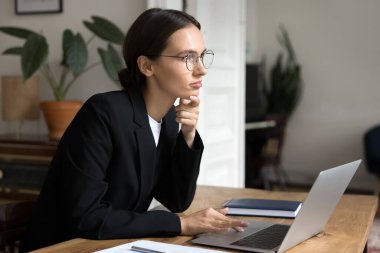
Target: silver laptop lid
(319, 204)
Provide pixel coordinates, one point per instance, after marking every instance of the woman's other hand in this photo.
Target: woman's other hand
(210, 220)
(187, 113)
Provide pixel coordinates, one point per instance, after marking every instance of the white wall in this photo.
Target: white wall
(338, 45)
(121, 12)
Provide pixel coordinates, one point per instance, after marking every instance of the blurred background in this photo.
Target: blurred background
(337, 45)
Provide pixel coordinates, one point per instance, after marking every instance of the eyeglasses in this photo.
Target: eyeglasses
(192, 60)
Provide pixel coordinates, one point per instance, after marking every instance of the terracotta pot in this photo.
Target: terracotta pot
(58, 116)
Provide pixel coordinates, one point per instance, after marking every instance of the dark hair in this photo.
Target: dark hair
(148, 36)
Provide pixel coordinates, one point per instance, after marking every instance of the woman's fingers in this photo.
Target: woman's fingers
(210, 220)
(222, 210)
(226, 223)
(187, 111)
(238, 225)
(192, 101)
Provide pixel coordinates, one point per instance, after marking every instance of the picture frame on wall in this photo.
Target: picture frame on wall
(26, 7)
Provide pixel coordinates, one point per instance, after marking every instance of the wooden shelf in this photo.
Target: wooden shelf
(28, 145)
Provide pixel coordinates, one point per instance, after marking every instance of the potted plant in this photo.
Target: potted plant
(74, 63)
(281, 87)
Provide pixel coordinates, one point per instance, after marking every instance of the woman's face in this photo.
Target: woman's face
(171, 76)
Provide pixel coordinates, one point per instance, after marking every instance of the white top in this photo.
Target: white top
(156, 129)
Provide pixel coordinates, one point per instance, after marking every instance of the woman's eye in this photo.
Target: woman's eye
(190, 56)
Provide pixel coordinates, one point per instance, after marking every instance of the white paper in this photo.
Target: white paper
(159, 246)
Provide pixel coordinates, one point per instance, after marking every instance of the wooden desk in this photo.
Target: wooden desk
(347, 230)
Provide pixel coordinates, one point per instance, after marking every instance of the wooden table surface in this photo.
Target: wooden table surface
(347, 230)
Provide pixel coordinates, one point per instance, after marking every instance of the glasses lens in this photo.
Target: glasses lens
(207, 59)
(190, 62)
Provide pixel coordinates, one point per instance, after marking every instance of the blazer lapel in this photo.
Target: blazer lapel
(171, 126)
(145, 142)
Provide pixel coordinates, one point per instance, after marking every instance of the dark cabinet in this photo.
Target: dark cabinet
(24, 163)
(21, 176)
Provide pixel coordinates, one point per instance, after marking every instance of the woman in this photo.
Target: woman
(123, 148)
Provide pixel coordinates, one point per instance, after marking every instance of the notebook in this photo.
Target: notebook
(321, 201)
(263, 207)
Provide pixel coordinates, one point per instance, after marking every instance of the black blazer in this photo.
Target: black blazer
(106, 171)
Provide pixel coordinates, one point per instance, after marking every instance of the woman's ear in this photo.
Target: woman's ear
(145, 65)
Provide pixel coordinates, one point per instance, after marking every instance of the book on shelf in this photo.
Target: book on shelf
(263, 207)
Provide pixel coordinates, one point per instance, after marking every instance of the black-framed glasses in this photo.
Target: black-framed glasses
(192, 60)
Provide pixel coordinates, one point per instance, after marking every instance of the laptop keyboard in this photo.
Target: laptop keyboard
(267, 238)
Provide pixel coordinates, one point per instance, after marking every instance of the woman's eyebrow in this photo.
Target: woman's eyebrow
(191, 51)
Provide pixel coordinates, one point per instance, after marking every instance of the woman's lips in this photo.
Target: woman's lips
(196, 85)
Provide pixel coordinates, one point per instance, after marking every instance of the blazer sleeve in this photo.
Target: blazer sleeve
(84, 155)
(177, 184)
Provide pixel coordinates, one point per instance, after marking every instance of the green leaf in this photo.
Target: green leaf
(17, 32)
(112, 62)
(67, 40)
(76, 54)
(13, 51)
(33, 54)
(284, 41)
(105, 30)
(283, 84)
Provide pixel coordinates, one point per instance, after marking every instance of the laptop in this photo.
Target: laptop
(316, 210)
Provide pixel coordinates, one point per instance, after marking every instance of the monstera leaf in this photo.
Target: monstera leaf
(75, 54)
(105, 30)
(17, 32)
(111, 61)
(33, 54)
